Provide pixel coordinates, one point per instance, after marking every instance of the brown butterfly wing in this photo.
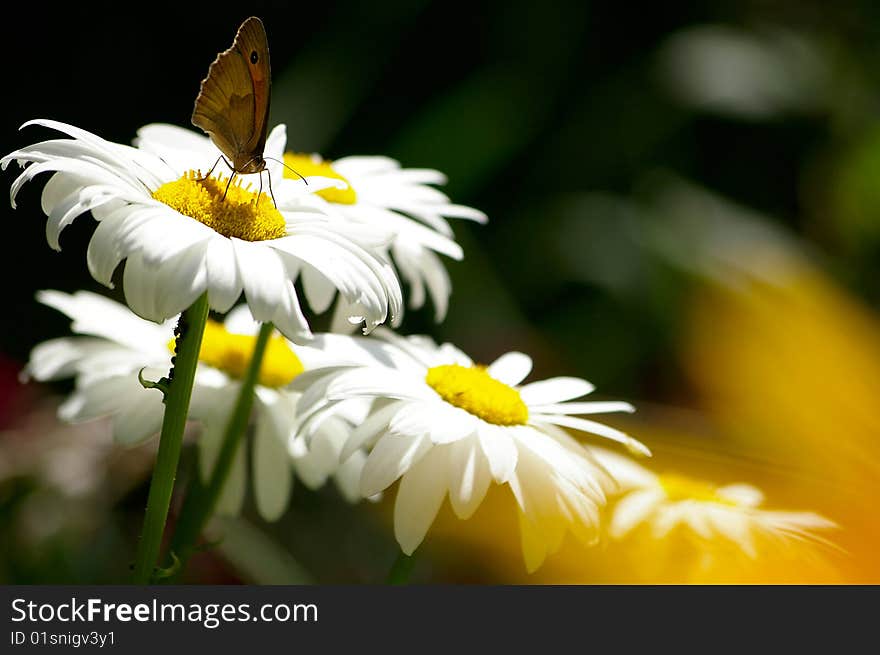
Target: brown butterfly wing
(233, 103)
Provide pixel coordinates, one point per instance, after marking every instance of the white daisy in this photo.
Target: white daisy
(379, 192)
(113, 345)
(180, 237)
(667, 503)
(371, 192)
(444, 425)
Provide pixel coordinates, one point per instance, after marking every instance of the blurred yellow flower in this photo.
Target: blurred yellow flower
(683, 534)
(789, 366)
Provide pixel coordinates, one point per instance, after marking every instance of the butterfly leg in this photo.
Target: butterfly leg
(260, 192)
(271, 193)
(231, 177)
(202, 179)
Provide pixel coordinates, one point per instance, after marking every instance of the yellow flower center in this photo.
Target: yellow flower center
(240, 214)
(309, 165)
(477, 392)
(680, 487)
(231, 353)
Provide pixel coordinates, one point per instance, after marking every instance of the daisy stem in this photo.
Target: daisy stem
(191, 326)
(401, 569)
(201, 498)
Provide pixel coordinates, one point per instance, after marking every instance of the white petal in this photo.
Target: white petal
(534, 546)
(511, 368)
(735, 526)
(348, 476)
(407, 265)
(232, 497)
(347, 316)
(381, 382)
(319, 291)
(263, 277)
(585, 518)
(469, 477)
(391, 457)
(160, 138)
(600, 429)
(796, 522)
(538, 493)
(210, 441)
(96, 315)
(59, 187)
(444, 424)
(104, 252)
(64, 357)
(582, 408)
(276, 142)
(453, 424)
(371, 428)
(357, 165)
(500, 451)
(140, 420)
(410, 238)
(160, 233)
(666, 518)
(239, 320)
(209, 444)
(333, 349)
(632, 510)
(181, 280)
(320, 458)
(419, 498)
(73, 205)
(271, 468)
(699, 522)
(554, 390)
(224, 280)
(628, 473)
(140, 289)
(363, 276)
(269, 289)
(744, 495)
(568, 461)
(99, 397)
(439, 284)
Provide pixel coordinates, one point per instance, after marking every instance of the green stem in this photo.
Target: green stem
(191, 326)
(201, 499)
(401, 569)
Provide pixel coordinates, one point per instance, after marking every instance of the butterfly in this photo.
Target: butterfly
(233, 102)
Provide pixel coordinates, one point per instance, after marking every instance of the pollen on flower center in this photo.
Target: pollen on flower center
(680, 487)
(240, 214)
(313, 165)
(231, 353)
(475, 391)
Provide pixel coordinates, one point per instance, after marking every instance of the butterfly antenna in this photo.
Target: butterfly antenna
(288, 168)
